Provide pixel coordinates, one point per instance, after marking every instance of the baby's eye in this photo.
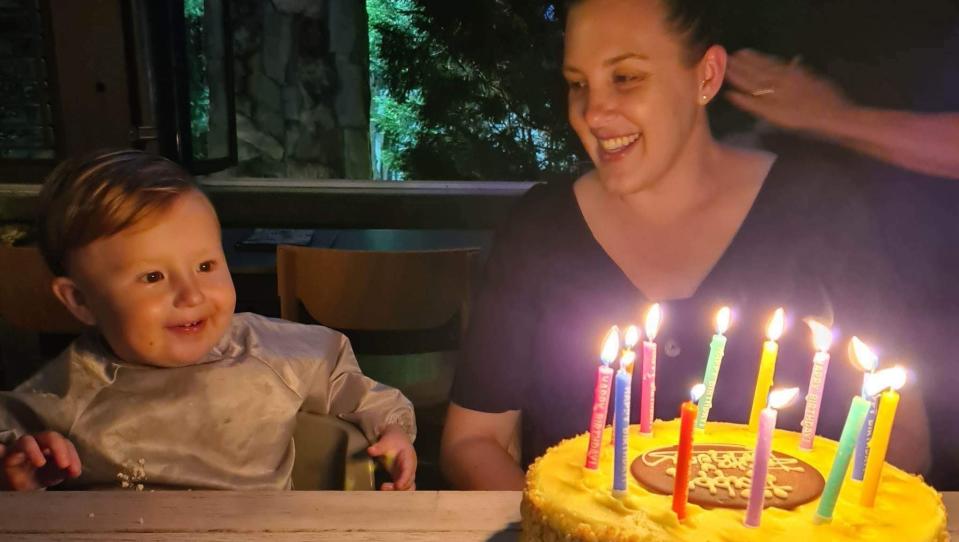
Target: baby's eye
(207, 266)
(153, 276)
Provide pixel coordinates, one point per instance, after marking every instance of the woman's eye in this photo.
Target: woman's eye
(153, 276)
(576, 85)
(206, 267)
(626, 78)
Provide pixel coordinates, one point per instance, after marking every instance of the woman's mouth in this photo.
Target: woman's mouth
(615, 145)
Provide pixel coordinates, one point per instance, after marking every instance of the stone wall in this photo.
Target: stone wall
(302, 88)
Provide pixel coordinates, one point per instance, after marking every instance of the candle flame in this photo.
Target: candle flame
(626, 360)
(653, 319)
(632, 336)
(696, 392)
(862, 355)
(722, 320)
(782, 397)
(775, 328)
(610, 346)
(821, 335)
(892, 378)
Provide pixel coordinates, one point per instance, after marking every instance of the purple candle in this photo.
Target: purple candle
(764, 445)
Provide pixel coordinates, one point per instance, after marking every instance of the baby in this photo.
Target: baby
(169, 380)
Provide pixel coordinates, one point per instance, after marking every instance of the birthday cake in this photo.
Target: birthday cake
(565, 501)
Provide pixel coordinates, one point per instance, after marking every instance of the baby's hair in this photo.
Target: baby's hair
(101, 194)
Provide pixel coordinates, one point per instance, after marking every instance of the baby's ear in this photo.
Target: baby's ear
(73, 299)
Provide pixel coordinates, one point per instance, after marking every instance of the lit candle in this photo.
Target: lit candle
(822, 339)
(648, 403)
(890, 380)
(716, 349)
(604, 377)
(864, 358)
(767, 366)
(624, 377)
(869, 362)
(764, 444)
(684, 452)
(630, 338)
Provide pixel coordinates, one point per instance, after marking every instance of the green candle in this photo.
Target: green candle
(717, 347)
(847, 443)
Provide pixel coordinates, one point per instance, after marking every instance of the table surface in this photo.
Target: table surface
(208, 516)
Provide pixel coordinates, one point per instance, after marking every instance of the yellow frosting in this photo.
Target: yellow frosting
(565, 500)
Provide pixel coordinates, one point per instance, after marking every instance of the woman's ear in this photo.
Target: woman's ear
(712, 71)
(73, 299)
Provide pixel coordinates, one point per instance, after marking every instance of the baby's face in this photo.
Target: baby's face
(160, 292)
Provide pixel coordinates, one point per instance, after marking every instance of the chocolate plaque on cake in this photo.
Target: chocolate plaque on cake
(720, 475)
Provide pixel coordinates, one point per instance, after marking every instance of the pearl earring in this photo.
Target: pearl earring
(705, 98)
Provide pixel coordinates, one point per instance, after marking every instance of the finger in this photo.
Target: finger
(28, 445)
(15, 459)
(387, 486)
(757, 61)
(54, 445)
(75, 468)
(745, 78)
(375, 450)
(746, 102)
(405, 469)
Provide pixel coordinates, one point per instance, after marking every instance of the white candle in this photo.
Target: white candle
(822, 339)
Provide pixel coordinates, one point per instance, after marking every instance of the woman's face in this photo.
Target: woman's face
(633, 100)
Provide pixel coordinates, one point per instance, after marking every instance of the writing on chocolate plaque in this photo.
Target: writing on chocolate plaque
(720, 476)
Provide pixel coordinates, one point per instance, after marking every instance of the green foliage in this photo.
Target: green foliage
(470, 89)
(193, 11)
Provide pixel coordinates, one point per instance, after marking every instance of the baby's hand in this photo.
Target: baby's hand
(399, 458)
(36, 461)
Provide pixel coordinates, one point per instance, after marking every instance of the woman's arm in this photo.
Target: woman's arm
(480, 450)
(792, 98)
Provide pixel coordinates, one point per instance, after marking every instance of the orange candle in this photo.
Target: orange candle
(684, 453)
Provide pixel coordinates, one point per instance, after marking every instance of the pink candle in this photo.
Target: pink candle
(822, 339)
(648, 403)
(764, 446)
(604, 376)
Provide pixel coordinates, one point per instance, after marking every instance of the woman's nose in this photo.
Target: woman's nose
(600, 106)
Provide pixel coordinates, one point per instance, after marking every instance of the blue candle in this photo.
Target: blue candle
(830, 493)
(624, 377)
(865, 435)
(868, 361)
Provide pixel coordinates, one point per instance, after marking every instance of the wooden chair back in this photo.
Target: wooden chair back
(374, 290)
(26, 300)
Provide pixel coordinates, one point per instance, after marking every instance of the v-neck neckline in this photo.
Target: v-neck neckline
(744, 228)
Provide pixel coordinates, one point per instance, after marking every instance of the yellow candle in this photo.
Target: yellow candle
(891, 380)
(767, 367)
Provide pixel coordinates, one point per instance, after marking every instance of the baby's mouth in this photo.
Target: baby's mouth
(188, 327)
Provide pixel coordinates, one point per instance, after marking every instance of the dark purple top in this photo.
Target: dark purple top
(551, 292)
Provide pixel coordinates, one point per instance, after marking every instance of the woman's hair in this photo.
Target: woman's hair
(697, 22)
(102, 194)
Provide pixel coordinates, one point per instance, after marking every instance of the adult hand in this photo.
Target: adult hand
(399, 458)
(36, 461)
(783, 93)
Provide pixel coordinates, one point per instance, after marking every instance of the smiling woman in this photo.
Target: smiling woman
(668, 214)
